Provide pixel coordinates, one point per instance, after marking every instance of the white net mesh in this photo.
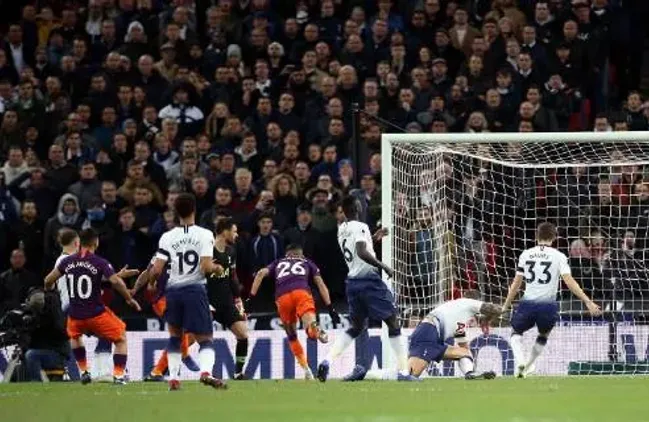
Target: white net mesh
(463, 212)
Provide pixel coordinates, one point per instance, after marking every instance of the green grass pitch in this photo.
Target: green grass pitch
(589, 399)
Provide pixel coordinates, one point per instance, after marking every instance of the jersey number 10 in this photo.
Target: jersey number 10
(80, 287)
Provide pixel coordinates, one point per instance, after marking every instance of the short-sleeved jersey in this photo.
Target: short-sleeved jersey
(62, 284)
(542, 268)
(292, 274)
(350, 233)
(455, 316)
(223, 285)
(182, 248)
(85, 274)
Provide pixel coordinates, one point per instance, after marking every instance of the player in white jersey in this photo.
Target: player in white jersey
(448, 320)
(541, 268)
(367, 294)
(188, 251)
(69, 241)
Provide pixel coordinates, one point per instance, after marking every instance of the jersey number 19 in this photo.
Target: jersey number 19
(189, 258)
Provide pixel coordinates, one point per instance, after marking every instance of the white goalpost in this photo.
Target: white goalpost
(460, 208)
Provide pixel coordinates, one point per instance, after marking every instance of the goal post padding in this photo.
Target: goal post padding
(460, 208)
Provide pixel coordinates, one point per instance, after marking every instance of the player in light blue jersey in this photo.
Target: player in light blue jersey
(187, 253)
(541, 268)
(367, 294)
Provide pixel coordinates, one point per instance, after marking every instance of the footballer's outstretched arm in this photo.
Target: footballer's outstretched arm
(50, 279)
(156, 270)
(322, 288)
(513, 291)
(142, 280)
(259, 277)
(574, 287)
(362, 252)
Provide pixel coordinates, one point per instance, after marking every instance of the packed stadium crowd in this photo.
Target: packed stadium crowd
(111, 108)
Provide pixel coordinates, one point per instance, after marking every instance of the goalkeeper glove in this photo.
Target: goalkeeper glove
(335, 317)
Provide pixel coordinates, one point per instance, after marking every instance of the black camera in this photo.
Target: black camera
(15, 327)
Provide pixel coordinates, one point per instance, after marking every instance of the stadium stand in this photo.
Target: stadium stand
(110, 108)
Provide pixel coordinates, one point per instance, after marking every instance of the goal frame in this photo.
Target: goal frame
(388, 139)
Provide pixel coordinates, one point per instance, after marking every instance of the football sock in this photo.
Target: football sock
(174, 358)
(466, 364)
(102, 365)
(162, 364)
(241, 352)
(119, 365)
(537, 349)
(516, 343)
(206, 357)
(399, 353)
(298, 352)
(339, 346)
(80, 357)
(184, 346)
(382, 374)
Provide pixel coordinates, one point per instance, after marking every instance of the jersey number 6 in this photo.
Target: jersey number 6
(346, 252)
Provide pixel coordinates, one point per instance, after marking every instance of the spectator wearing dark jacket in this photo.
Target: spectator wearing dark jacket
(88, 188)
(244, 197)
(263, 249)
(27, 234)
(16, 282)
(68, 215)
(130, 246)
(301, 233)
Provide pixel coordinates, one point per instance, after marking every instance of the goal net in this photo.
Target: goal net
(462, 207)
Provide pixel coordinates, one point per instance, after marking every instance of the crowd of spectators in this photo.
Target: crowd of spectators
(110, 108)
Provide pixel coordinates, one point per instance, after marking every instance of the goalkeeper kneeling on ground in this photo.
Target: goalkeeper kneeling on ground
(427, 344)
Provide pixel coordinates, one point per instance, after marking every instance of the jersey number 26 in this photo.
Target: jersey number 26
(287, 268)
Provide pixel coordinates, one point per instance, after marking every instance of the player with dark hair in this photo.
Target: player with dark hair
(541, 268)
(186, 252)
(224, 292)
(294, 301)
(85, 273)
(367, 294)
(155, 294)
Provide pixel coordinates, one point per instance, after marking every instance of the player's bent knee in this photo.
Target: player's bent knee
(354, 332)
(542, 340)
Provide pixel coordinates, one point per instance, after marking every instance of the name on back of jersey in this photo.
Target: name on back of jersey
(82, 264)
(186, 241)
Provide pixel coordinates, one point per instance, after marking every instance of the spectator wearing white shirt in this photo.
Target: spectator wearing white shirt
(189, 117)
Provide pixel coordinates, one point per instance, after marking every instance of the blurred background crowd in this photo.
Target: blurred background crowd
(110, 108)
